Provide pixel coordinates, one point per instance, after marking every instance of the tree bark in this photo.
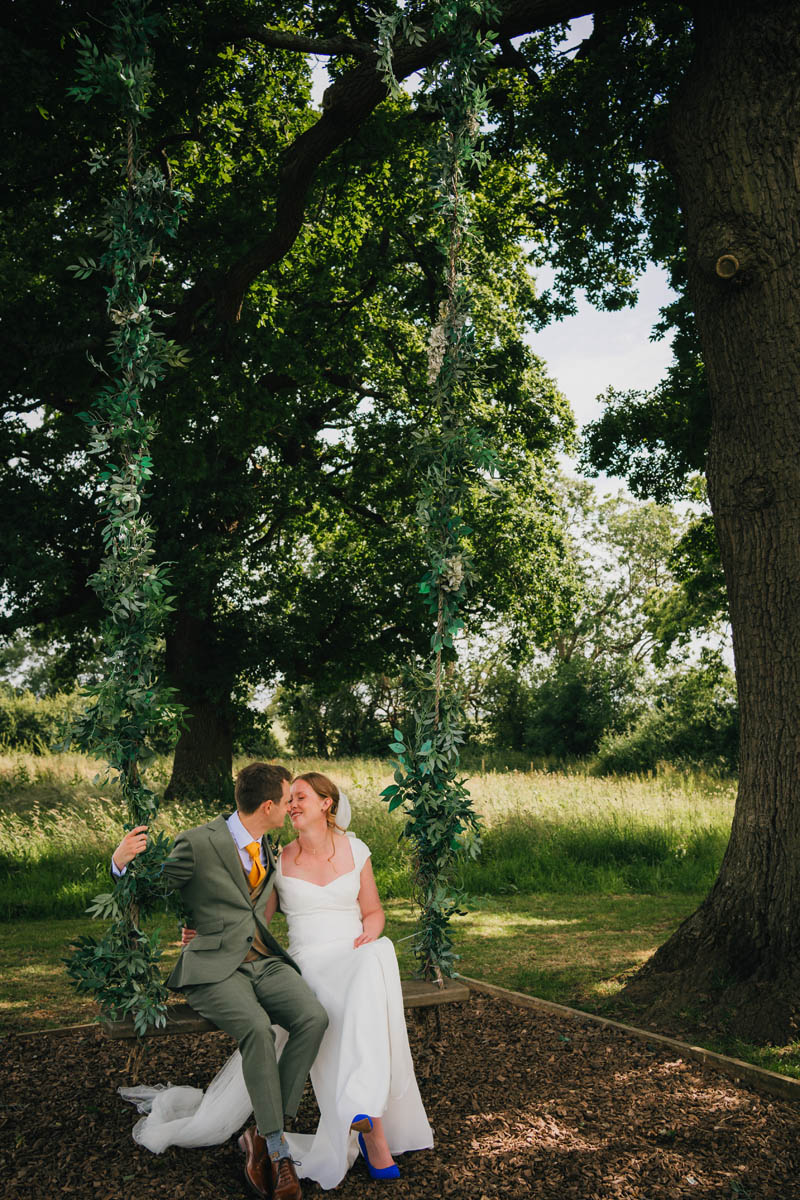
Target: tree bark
(735, 155)
(200, 670)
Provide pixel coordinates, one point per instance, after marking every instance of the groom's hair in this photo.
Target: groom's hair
(257, 783)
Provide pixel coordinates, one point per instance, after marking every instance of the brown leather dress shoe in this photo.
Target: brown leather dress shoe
(285, 1184)
(257, 1171)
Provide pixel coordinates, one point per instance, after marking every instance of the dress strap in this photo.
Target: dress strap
(361, 852)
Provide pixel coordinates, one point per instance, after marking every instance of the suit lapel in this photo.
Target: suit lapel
(225, 847)
(268, 854)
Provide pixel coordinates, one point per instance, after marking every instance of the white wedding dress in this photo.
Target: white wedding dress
(364, 1062)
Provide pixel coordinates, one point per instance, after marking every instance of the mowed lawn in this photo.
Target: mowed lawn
(572, 949)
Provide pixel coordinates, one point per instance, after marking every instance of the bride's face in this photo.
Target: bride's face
(306, 808)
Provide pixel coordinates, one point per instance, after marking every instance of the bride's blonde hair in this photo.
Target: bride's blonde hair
(326, 789)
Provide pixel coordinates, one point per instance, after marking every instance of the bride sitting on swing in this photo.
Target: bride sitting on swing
(363, 1076)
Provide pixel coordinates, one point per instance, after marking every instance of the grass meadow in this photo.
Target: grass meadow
(543, 832)
(580, 878)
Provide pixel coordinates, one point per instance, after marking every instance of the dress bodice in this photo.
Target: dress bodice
(319, 915)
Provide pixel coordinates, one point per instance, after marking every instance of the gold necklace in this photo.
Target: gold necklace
(311, 849)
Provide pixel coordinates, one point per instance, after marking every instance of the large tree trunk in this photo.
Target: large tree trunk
(735, 155)
(199, 668)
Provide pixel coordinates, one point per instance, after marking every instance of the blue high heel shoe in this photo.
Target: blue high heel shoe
(362, 1122)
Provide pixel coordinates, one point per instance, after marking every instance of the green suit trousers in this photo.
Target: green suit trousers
(246, 1005)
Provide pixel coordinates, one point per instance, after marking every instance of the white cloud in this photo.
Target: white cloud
(594, 350)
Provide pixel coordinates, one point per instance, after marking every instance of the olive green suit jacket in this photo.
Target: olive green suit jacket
(204, 866)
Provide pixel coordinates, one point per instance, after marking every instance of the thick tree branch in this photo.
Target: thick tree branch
(346, 105)
(357, 510)
(273, 528)
(510, 57)
(284, 39)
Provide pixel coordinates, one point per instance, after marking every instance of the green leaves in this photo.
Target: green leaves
(83, 268)
(129, 708)
(121, 972)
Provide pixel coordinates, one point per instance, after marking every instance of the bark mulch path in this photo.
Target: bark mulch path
(523, 1103)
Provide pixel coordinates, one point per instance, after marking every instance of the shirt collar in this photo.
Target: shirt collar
(239, 833)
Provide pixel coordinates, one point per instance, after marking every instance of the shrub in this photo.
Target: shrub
(253, 735)
(694, 721)
(33, 724)
(343, 723)
(560, 712)
(576, 703)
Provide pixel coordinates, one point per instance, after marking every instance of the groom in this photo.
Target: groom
(234, 972)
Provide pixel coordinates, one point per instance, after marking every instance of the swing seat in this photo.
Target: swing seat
(182, 1018)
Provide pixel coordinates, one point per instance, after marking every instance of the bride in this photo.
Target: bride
(363, 1076)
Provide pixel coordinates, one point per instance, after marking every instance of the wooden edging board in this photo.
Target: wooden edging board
(32, 1033)
(757, 1077)
(417, 993)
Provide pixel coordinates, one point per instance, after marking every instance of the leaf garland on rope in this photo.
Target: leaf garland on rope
(452, 457)
(129, 706)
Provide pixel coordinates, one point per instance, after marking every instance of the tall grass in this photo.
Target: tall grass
(544, 832)
(577, 833)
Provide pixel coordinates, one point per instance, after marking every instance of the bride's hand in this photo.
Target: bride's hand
(363, 939)
(187, 934)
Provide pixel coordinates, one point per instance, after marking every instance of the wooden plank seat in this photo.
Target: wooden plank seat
(181, 1017)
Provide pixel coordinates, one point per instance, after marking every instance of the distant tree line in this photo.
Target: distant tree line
(633, 674)
(554, 715)
(620, 675)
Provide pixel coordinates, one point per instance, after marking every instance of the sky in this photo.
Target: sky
(594, 350)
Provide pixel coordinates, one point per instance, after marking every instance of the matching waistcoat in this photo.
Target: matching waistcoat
(258, 949)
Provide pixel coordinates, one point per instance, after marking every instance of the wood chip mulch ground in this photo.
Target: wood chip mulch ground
(523, 1104)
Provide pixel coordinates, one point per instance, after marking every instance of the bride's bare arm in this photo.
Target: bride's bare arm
(271, 907)
(372, 916)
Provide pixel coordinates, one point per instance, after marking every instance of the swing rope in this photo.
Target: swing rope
(452, 460)
(129, 706)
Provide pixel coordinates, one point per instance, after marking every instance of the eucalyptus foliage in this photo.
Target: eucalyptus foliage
(452, 456)
(129, 706)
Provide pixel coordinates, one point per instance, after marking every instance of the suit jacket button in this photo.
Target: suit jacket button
(249, 939)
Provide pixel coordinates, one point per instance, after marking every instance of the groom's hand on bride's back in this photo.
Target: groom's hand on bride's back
(132, 844)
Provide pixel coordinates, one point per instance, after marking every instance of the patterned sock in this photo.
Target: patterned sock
(276, 1144)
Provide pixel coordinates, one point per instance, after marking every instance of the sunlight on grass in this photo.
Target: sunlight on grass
(515, 942)
(544, 832)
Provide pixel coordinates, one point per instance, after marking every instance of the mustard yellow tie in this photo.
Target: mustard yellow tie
(257, 871)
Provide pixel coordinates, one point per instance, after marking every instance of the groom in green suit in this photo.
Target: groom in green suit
(234, 972)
